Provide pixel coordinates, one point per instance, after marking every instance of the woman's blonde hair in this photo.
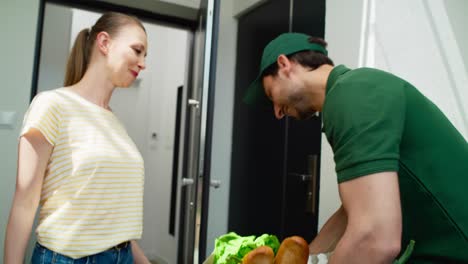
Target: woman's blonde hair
(80, 55)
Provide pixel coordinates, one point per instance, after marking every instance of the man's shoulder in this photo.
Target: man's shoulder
(373, 83)
(369, 77)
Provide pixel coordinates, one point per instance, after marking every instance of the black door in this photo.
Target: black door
(274, 171)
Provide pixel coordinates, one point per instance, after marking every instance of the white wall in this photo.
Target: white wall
(18, 21)
(54, 48)
(419, 45)
(342, 32)
(456, 10)
(417, 40)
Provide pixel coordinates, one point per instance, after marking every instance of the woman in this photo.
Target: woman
(77, 161)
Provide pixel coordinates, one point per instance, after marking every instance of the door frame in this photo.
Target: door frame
(199, 163)
(210, 98)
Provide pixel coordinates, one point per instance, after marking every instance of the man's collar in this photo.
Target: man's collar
(334, 75)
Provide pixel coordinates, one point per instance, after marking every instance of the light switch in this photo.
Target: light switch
(7, 119)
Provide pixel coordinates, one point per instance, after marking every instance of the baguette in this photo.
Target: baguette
(260, 255)
(293, 250)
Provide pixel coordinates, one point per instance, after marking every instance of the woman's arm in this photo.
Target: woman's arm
(33, 155)
(138, 255)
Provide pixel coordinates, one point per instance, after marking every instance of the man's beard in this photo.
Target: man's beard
(304, 115)
(303, 110)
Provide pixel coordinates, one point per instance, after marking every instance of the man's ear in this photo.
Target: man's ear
(103, 42)
(284, 65)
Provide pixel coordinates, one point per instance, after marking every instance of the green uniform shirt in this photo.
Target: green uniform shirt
(377, 122)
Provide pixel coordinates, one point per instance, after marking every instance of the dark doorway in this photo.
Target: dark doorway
(274, 172)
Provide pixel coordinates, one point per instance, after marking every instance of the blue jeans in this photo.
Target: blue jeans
(115, 255)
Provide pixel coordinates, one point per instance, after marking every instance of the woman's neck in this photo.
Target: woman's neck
(95, 86)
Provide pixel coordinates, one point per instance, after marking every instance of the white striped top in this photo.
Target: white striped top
(92, 194)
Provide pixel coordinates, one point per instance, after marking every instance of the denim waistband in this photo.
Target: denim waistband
(122, 245)
(120, 254)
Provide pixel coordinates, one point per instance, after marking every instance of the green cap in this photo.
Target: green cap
(287, 44)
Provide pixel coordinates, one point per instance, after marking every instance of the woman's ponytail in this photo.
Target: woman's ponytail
(78, 58)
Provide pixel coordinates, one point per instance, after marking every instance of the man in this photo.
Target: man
(402, 167)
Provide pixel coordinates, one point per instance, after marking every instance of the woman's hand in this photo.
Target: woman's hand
(138, 254)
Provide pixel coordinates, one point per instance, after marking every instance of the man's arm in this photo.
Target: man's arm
(330, 233)
(373, 231)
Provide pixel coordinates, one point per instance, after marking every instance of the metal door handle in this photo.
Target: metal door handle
(194, 103)
(310, 179)
(304, 177)
(215, 183)
(187, 181)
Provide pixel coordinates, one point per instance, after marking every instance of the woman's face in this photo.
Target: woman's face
(127, 54)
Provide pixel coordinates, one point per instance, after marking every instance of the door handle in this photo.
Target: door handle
(215, 183)
(194, 103)
(311, 182)
(187, 181)
(310, 179)
(303, 177)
